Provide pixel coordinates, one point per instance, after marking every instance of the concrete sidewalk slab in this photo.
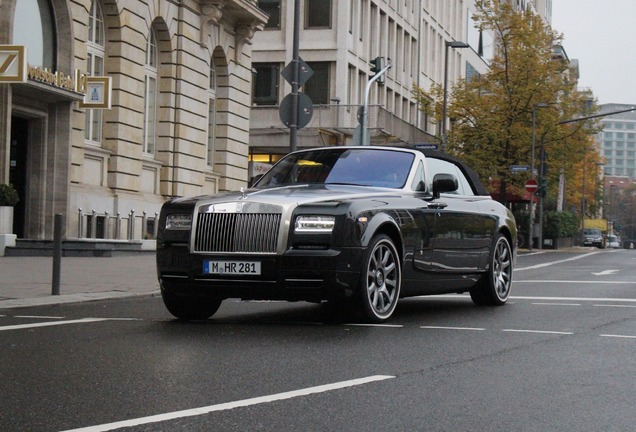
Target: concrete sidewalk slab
(27, 281)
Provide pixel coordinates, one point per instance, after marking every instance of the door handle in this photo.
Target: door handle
(438, 205)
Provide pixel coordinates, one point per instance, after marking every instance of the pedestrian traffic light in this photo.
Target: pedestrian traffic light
(543, 186)
(376, 67)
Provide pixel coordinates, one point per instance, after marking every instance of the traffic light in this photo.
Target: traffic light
(376, 66)
(543, 186)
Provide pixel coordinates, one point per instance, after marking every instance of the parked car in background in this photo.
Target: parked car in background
(613, 241)
(361, 226)
(593, 237)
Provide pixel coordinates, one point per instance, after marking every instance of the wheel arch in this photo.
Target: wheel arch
(505, 231)
(384, 224)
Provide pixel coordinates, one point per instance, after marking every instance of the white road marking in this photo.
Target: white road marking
(577, 282)
(39, 317)
(452, 328)
(52, 323)
(618, 336)
(617, 306)
(557, 304)
(536, 331)
(57, 323)
(230, 405)
(537, 266)
(605, 272)
(577, 299)
(374, 325)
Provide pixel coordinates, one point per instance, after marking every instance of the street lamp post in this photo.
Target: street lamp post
(449, 44)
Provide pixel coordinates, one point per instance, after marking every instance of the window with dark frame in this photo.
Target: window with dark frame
(317, 87)
(272, 8)
(265, 91)
(317, 14)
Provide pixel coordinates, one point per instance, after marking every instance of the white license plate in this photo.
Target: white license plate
(232, 267)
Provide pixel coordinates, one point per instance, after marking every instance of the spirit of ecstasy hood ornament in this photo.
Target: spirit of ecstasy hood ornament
(243, 194)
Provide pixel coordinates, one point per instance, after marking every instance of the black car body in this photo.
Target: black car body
(593, 237)
(367, 224)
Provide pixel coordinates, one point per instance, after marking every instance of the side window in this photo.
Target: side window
(436, 166)
(419, 182)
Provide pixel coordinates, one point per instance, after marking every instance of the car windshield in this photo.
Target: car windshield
(362, 167)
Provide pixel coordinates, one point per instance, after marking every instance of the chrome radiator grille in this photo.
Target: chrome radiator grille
(237, 232)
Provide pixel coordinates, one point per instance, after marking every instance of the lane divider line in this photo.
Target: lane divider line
(57, 323)
(231, 405)
(537, 266)
(453, 328)
(52, 323)
(537, 331)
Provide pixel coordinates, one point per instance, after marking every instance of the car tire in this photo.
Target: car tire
(380, 280)
(190, 308)
(494, 288)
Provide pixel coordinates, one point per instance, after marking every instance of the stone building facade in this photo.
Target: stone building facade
(338, 41)
(180, 103)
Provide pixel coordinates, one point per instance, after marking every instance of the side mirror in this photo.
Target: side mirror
(444, 183)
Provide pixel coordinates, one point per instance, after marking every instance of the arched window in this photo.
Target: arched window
(94, 67)
(211, 116)
(34, 26)
(150, 96)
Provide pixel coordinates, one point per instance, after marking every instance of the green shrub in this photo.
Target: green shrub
(8, 195)
(562, 224)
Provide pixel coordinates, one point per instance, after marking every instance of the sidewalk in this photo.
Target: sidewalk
(27, 281)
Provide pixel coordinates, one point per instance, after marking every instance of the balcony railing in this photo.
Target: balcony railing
(343, 119)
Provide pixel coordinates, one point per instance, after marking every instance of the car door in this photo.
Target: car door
(424, 219)
(462, 234)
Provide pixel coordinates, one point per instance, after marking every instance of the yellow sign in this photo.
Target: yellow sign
(57, 79)
(13, 64)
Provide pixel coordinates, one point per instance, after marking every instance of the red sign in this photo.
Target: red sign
(532, 186)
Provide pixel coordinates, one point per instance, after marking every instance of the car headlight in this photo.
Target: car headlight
(314, 224)
(179, 221)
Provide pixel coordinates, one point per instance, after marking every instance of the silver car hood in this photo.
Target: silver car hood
(292, 196)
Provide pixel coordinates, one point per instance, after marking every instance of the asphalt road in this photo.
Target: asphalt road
(558, 357)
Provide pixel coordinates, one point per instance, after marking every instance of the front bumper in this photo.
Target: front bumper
(309, 275)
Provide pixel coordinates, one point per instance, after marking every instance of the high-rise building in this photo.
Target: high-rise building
(617, 141)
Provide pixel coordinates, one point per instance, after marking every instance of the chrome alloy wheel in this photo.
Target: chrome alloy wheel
(383, 278)
(502, 269)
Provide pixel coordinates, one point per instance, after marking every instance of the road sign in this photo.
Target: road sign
(519, 168)
(304, 72)
(426, 146)
(532, 186)
(305, 110)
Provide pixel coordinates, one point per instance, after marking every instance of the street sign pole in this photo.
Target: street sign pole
(364, 123)
(293, 128)
(531, 186)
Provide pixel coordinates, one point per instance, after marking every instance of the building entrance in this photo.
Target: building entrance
(18, 170)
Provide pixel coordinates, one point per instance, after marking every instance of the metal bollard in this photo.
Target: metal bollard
(155, 225)
(144, 222)
(57, 253)
(131, 225)
(106, 225)
(80, 223)
(118, 226)
(94, 224)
